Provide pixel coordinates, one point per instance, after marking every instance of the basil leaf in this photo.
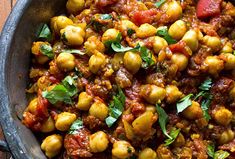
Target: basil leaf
(184, 103)
(106, 16)
(206, 85)
(47, 50)
(163, 32)
(211, 150)
(220, 154)
(146, 56)
(69, 84)
(116, 108)
(163, 119)
(174, 134)
(73, 51)
(117, 47)
(77, 124)
(130, 31)
(159, 3)
(45, 32)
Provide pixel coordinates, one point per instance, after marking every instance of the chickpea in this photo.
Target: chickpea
(32, 107)
(180, 60)
(222, 116)
(96, 62)
(48, 126)
(147, 153)
(191, 39)
(172, 94)
(64, 121)
(227, 48)
(213, 42)
(92, 44)
(214, 65)
(99, 110)
(84, 101)
(174, 10)
(164, 153)
(226, 137)
(151, 108)
(178, 29)
(179, 141)
(229, 60)
(146, 30)
(193, 112)
(60, 22)
(132, 61)
(75, 6)
(126, 24)
(42, 59)
(122, 149)
(36, 50)
(98, 142)
(158, 44)
(52, 145)
(43, 82)
(110, 35)
(117, 61)
(72, 35)
(65, 61)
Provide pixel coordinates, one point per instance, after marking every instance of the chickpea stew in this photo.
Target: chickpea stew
(126, 79)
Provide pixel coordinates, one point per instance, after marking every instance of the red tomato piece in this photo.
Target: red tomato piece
(181, 47)
(208, 8)
(146, 16)
(42, 111)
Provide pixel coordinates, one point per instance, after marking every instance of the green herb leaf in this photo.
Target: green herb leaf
(184, 103)
(117, 47)
(77, 124)
(163, 32)
(146, 56)
(174, 133)
(159, 3)
(45, 32)
(105, 16)
(220, 154)
(117, 40)
(130, 31)
(211, 150)
(47, 50)
(69, 84)
(73, 51)
(206, 85)
(205, 106)
(163, 119)
(116, 108)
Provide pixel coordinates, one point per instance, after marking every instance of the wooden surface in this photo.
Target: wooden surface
(5, 9)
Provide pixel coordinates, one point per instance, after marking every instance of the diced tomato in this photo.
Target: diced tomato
(30, 120)
(141, 17)
(208, 8)
(42, 111)
(181, 47)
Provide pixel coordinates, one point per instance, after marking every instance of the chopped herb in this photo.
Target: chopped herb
(174, 133)
(159, 3)
(64, 38)
(206, 85)
(47, 50)
(163, 119)
(220, 154)
(45, 32)
(146, 56)
(116, 108)
(211, 150)
(69, 84)
(130, 31)
(184, 103)
(77, 124)
(205, 106)
(73, 51)
(117, 47)
(129, 150)
(117, 40)
(163, 32)
(106, 16)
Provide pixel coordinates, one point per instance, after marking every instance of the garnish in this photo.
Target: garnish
(174, 134)
(116, 108)
(146, 56)
(206, 85)
(73, 51)
(47, 50)
(184, 103)
(220, 154)
(130, 31)
(105, 16)
(44, 32)
(159, 3)
(77, 124)
(163, 32)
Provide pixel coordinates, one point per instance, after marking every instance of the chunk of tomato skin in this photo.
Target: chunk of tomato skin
(42, 108)
(141, 17)
(179, 47)
(208, 8)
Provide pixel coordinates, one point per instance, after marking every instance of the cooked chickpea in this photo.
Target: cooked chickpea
(180, 60)
(178, 29)
(64, 120)
(72, 35)
(109, 35)
(172, 94)
(226, 136)
(191, 39)
(151, 108)
(146, 30)
(43, 82)
(92, 44)
(193, 112)
(229, 60)
(158, 44)
(214, 65)
(32, 107)
(84, 101)
(98, 142)
(147, 153)
(36, 50)
(174, 10)
(60, 22)
(227, 48)
(75, 6)
(96, 62)
(179, 141)
(152, 93)
(99, 110)
(65, 61)
(126, 24)
(213, 42)
(48, 126)
(52, 145)
(164, 153)
(117, 61)
(222, 116)
(132, 61)
(122, 149)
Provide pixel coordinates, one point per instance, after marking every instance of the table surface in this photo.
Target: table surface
(5, 9)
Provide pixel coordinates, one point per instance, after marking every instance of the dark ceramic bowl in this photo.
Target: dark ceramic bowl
(15, 43)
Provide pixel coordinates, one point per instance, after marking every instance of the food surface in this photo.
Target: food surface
(135, 79)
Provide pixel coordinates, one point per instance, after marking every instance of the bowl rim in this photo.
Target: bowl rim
(10, 130)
